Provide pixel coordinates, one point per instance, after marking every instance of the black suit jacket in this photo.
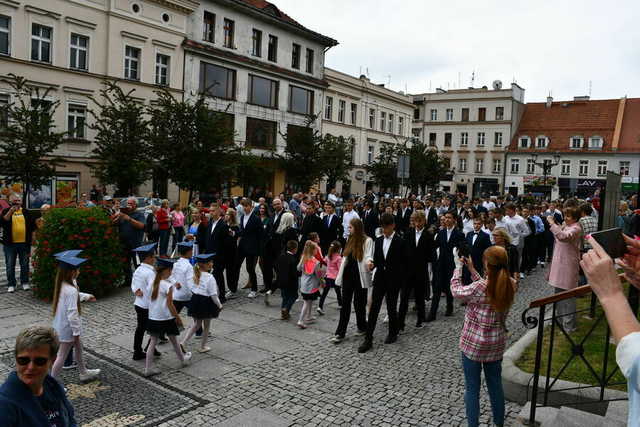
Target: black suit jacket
(403, 220)
(329, 232)
(445, 264)
(216, 240)
(432, 216)
(287, 272)
(483, 241)
(391, 271)
(418, 256)
(310, 224)
(250, 236)
(371, 222)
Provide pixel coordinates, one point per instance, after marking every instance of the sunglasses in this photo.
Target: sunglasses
(38, 361)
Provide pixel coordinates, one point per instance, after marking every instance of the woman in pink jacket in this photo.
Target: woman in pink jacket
(565, 264)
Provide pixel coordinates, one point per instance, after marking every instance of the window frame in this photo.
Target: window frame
(79, 49)
(400, 125)
(209, 28)
(464, 114)
(479, 165)
(599, 165)
(371, 151)
(514, 167)
(272, 48)
(497, 139)
(497, 165)
(592, 139)
(310, 60)
(482, 114)
(434, 115)
(565, 167)
(448, 139)
(229, 31)
(272, 82)
(576, 138)
(392, 123)
(40, 39)
(372, 118)
(250, 130)
(342, 109)
(449, 114)
(462, 161)
(202, 88)
(585, 164)
(328, 108)
(8, 32)
(544, 139)
(71, 132)
(256, 43)
(433, 141)
(524, 138)
(354, 113)
(482, 139)
(624, 164)
(383, 121)
(530, 167)
(310, 100)
(464, 139)
(160, 66)
(501, 111)
(4, 119)
(128, 60)
(296, 52)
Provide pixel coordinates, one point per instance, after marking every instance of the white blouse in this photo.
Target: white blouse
(66, 321)
(207, 287)
(142, 280)
(181, 272)
(158, 309)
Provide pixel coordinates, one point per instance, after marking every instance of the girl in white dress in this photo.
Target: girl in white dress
(67, 321)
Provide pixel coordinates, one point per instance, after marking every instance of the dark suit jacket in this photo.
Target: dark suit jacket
(445, 264)
(483, 241)
(403, 221)
(418, 256)
(274, 242)
(216, 240)
(250, 236)
(432, 216)
(329, 232)
(390, 272)
(287, 272)
(371, 222)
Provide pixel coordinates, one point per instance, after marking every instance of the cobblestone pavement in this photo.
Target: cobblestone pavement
(265, 372)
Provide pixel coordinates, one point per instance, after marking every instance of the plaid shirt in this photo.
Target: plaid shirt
(589, 225)
(483, 337)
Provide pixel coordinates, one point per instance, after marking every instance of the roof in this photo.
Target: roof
(565, 119)
(630, 135)
(273, 11)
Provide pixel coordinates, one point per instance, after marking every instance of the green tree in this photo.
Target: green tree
(427, 168)
(28, 136)
(122, 153)
(384, 169)
(302, 156)
(336, 158)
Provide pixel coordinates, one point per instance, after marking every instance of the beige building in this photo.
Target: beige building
(472, 128)
(72, 46)
(371, 115)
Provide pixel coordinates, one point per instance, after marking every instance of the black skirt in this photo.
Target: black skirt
(310, 297)
(162, 327)
(202, 307)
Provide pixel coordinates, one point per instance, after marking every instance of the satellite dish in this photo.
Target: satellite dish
(497, 84)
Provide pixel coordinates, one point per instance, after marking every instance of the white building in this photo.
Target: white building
(265, 70)
(368, 113)
(472, 128)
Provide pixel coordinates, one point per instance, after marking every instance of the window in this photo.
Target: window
(370, 154)
(541, 142)
(260, 133)
(479, 165)
(465, 114)
(383, 120)
(499, 113)
(229, 30)
(524, 142)
(434, 115)
(447, 139)
(446, 161)
(449, 113)
(625, 166)
(209, 27)
(342, 106)
(481, 139)
(301, 100)
(464, 139)
(462, 165)
(392, 123)
(497, 139)
(4, 113)
(354, 113)
(416, 114)
(263, 92)
(5, 35)
(583, 169)
(576, 142)
(515, 166)
(482, 114)
(372, 118)
(78, 52)
(310, 59)
(295, 56)
(432, 139)
(602, 167)
(531, 166)
(131, 63)
(76, 119)
(41, 43)
(401, 126)
(217, 81)
(328, 108)
(256, 46)
(272, 54)
(565, 167)
(595, 143)
(162, 69)
(497, 165)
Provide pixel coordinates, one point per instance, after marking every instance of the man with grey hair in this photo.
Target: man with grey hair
(18, 227)
(131, 227)
(30, 396)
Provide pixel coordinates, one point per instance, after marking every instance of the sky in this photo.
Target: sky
(564, 47)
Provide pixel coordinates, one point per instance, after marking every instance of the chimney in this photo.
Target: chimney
(549, 101)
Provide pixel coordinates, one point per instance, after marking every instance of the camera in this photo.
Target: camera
(464, 250)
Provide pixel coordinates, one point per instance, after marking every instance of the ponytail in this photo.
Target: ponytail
(500, 290)
(196, 274)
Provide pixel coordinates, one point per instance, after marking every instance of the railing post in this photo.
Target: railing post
(536, 370)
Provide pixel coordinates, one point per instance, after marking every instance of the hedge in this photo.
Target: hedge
(89, 229)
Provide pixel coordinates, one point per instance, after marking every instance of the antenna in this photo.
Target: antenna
(360, 73)
(367, 72)
(459, 80)
(473, 78)
(429, 85)
(389, 80)
(590, 88)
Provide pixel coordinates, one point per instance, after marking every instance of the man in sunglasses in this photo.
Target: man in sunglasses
(30, 396)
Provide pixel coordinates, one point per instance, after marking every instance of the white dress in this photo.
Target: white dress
(67, 321)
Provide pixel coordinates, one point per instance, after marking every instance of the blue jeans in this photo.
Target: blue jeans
(12, 251)
(164, 241)
(493, 378)
(289, 297)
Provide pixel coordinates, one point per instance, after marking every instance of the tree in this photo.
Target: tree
(336, 158)
(384, 169)
(192, 143)
(29, 139)
(122, 153)
(427, 168)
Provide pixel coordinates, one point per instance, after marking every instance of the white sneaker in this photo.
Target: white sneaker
(26, 287)
(336, 339)
(269, 292)
(11, 289)
(151, 372)
(72, 366)
(230, 295)
(361, 333)
(91, 374)
(187, 358)
(386, 319)
(252, 294)
(320, 311)
(522, 275)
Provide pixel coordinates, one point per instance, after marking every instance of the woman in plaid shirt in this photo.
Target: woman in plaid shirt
(483, 337)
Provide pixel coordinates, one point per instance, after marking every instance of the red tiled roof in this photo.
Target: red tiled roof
(565, 119)
(630, 135)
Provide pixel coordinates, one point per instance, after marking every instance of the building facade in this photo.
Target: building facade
(580, 140)
(370, 115)
(261, 68)
(471, 128)
(72, 46)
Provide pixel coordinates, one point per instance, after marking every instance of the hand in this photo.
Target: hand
(456, 259)
(469, 263)
(125, 217)
(600, 272)
(630, 262)
(92, 298)
(138, 293)
(370, 265)
(179, 321)
(550, 220)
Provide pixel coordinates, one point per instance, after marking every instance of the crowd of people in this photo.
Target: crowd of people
(368, 250)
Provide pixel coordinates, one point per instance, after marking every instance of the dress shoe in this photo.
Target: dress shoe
(139, 356)
(390, 339)
(430, 318)
(365, 346)
(419, 324)
(449, 312)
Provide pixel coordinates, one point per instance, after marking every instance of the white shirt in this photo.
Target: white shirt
(213, 225)
(489, 205)
(245, 219)
(207, 287)
(386, 243)
(467, 225)
(418, 235)
(181, 272)
(66, 321)
(333, 198)
(346, 219)
(143, 279)
(158, 309)
(449, 231)
(518, 229)
(475, 237)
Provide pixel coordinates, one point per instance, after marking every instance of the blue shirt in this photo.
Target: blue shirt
(538, 223)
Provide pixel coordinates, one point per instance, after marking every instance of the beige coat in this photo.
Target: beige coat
(363, 266)
(566, 256)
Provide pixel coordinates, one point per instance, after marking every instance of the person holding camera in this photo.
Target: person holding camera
(18, 227)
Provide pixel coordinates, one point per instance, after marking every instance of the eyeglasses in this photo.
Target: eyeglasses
(38, 361)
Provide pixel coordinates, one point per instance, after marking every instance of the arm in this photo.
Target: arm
(135, 223)
(73, 316)
(86, 297)
(465, 293)
(524, 228)
(566, 234)
(172, 308)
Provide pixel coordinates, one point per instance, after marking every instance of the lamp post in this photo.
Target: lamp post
(546, 164)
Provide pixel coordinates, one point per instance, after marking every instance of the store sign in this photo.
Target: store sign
(590, 183)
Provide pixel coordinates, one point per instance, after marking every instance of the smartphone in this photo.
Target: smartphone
(611, 241)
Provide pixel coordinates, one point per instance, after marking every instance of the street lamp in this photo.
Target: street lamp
(546, 165)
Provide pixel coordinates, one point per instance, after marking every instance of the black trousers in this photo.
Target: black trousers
(441, 283)
(142, 315)
(252, 260)
(131, 259)
(415, 285)
(330, 283)
(389, 292)
(218, 274)
(355, 292)
(267, 264)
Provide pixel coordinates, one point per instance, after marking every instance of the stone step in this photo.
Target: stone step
(571, 417)
(618, 410)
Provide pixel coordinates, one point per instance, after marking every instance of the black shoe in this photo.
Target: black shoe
(449, 312)
(156, 353)
(430, 318)
(390, 339)
(463, 304)
(419, 324)
(365, 346)
(139, 356)
(263, 290)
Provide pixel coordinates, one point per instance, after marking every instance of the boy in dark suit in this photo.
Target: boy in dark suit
(215, 239)
(249, 245)
(478, 241)
(331, 227)
(287, 277)
(389, 263)
(403, 217)
(369, 218)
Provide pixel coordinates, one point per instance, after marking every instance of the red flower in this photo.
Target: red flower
(86, 230)
(82, 245)
(91, 218)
